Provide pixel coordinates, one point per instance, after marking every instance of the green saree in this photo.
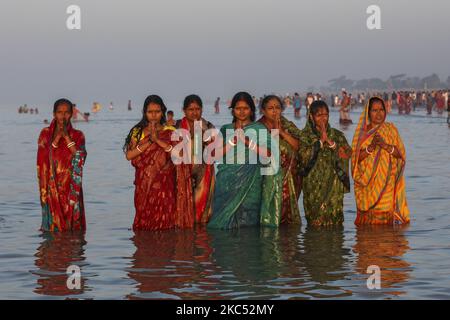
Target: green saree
(291, 180)
(243, 196)
(325, 175)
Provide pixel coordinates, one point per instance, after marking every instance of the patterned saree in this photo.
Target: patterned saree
(243, 196)
(196, 181)
(379, 183)
(60, 174)
(325, 175)
(155, 193)
(292, 181)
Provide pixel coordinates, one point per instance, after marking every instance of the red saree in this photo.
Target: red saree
(195, 183)
(155, 194)
(60, 174)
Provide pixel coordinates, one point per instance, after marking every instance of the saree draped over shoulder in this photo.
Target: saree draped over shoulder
(291, 179)
(243, 195)
(60, 181)
(379, 182)
(155, 193)
(195, 181)
(325, 175)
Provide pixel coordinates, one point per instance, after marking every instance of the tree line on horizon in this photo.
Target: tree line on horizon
(394, 82)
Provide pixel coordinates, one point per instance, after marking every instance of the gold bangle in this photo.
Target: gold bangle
(393, 149)
(138, 149)
(54, 146)
(367, 150)
(70, 145)
(169, 148)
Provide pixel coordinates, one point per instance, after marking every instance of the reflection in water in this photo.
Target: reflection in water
(325, 259)
(383, 246)
(324, 253)
(274, 263)
(251, 254)
(260, 263)
(55, 254)
(248, 260)
(171, 264)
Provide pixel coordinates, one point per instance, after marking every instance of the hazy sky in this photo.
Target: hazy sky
(129, 49)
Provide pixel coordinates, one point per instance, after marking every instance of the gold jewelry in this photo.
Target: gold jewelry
(70, 145)
(54, 146)
(138, 149)
(333, 146)
(169, 148)
(367, 150)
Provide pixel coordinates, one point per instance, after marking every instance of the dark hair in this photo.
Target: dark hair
(316, 105)
(60, 102)
(374, 99)
(144, 122)
(247, 98)
(170, 112)
(266, 100)
(193, 98)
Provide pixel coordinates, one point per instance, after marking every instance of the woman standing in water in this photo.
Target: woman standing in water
(324, 162)
(378, 163)
(148, 147)
(196, 178)
(243, 196)
(289, 136)
(60, 160)
(448, 112)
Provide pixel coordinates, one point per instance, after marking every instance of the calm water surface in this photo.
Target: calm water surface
(288, 263)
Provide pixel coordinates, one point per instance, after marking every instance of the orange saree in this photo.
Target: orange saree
(379, 182)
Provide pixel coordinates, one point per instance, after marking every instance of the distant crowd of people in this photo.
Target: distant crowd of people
(404, 102)
(26, 109)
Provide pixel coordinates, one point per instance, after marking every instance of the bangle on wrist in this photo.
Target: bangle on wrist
(231, 142)
(254, 145)
(332, 146)
(70, 144)
(169, 148)
(138, 149)
(321, 144)
(393, 149)
(54, 146)
(367, 150)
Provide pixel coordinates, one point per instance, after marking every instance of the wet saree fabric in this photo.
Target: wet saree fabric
(291, 179)
(155, 193)
(196, 181)
(243, 196)
(60, 181)
(379, 183)
(325, 175)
